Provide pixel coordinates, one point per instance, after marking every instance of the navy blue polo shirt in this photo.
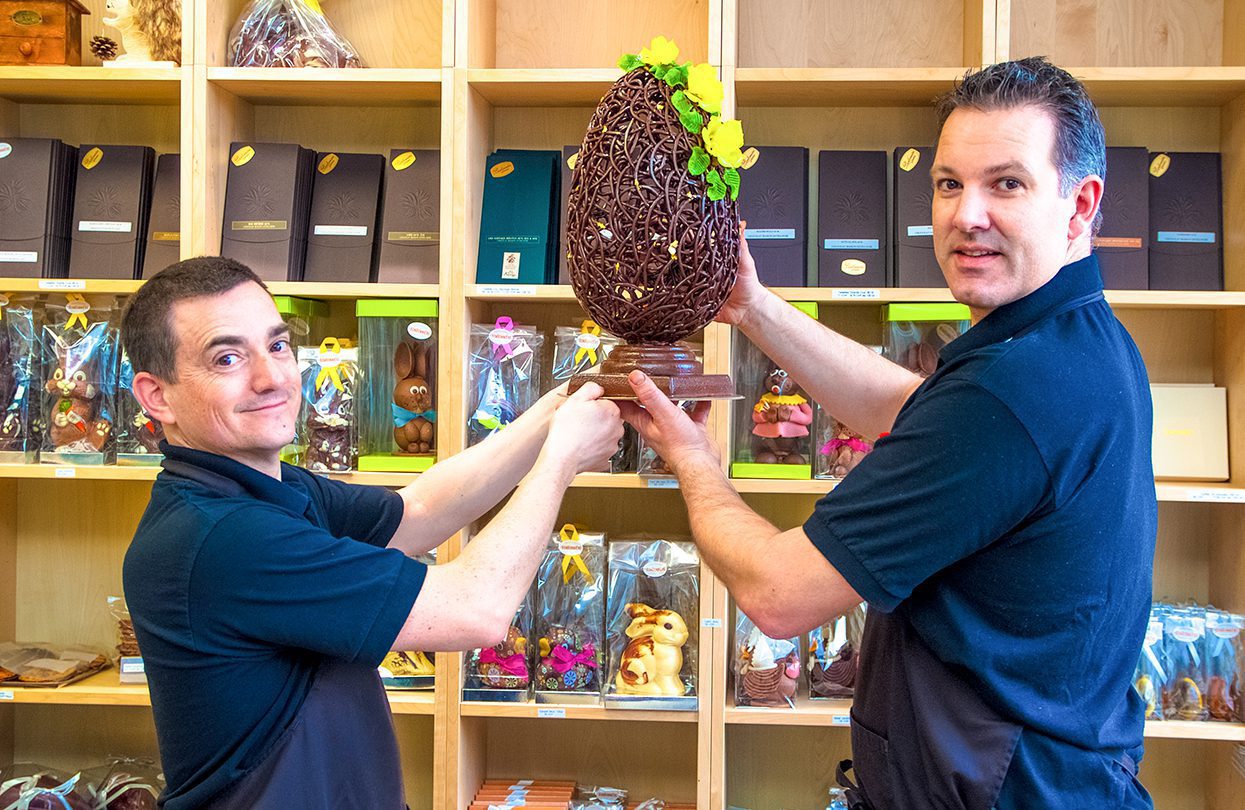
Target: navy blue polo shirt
(240, 586)
(1009, 521)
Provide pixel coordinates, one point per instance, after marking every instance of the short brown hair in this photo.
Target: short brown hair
(1080, 145)
(146, 328)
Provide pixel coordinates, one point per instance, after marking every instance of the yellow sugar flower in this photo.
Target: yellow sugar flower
(660, 51)
(704, 88)
(723, 140)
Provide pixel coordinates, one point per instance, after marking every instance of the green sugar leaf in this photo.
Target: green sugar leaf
(629, 62)
(698, 163)
(731, 177)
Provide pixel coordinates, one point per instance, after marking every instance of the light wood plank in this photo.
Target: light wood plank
(1119, 32)
(528, 87)
(810, 33)
(532, 711)
(381, 87)
(58, 84)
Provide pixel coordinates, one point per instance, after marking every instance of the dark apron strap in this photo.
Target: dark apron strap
(855, 799)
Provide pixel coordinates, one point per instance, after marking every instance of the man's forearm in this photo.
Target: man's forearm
(850, 381)
(461, 488)
(731, 537)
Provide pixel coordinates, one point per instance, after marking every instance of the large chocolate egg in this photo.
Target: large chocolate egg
(652, 258)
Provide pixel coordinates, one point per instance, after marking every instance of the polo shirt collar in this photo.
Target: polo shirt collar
(1075, 284)
(232, 477)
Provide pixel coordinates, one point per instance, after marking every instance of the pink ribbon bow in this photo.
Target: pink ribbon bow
(511, 664)
(857, 445)
(504, 350)
(563, 659)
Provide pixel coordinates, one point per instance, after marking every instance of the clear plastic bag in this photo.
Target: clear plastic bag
(577, 350)
(42, 664)
(1222, 652)
(570, 612)
(653, 619)
(20, 379)
(288, 33)
(505, 666)
(79, 356)
(767, 670)
(138, 435)
(839, 448)
(27, 786)
(504, 371)
(1184, 695)
(125, 784)
(834, 655)
(127, 643)
(1150, 678)
(331, 379)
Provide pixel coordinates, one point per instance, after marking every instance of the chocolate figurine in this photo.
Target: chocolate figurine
(414, 429)
(74, 425)
(330, 419)
(845, 450)
(653, 659)
(568, 661)
(504, 666)
(780, 420)
(765, 681)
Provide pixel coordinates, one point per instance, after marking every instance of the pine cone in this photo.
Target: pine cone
(104, 48)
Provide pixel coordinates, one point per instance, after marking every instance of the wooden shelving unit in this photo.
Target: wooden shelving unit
(470, 76)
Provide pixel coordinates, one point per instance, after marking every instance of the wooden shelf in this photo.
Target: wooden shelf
(105, 689)
(836, 713)
(1168, 491)
(1162, 86)
(363, 87)
(542, 88)
(567, 712)
(60, 84)
(842, 87)
(306, 289)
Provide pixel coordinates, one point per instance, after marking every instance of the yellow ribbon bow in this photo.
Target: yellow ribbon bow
(78, 317)
(590, 327)
(330, 370)
(571, 562)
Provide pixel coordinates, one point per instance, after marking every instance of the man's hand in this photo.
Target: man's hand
(677, 437)
(585, 430)
(748, 291)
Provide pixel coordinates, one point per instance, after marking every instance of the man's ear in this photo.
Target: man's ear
(149, 390)
(1088, 197)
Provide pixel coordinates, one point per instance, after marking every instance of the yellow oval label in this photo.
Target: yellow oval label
(327, 163)
(403, 161)
(242, 156)
(751, 155)
(572, 161)
(502, 169)
(910, 159)
(92, 158)
(853, 267)
(1160, 165)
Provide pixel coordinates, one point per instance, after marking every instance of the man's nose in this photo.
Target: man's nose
(972, 211)
(267, 372)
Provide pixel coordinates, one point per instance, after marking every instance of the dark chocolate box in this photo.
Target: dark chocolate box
(852, 237)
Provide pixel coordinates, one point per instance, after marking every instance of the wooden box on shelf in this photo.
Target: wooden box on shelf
(41, 32)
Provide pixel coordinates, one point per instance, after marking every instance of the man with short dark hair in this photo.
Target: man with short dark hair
(264, 597)
(1003, 532)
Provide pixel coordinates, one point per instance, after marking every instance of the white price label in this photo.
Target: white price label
(66, 472)
(507, 289)
(855, 295)
(105, 226)
(6, 694)
(19, 256)
(840, 720)
(1218, 495)
(711, 624)
(663, 483)
(62, 284)
(555, 714)
(340, 230)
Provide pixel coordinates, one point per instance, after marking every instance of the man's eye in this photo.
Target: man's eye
(227, 360)
(1009, 183)
(946, 185)
(281, 346)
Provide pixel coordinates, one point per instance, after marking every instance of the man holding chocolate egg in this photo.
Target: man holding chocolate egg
(264, 597)
(1002, 530)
